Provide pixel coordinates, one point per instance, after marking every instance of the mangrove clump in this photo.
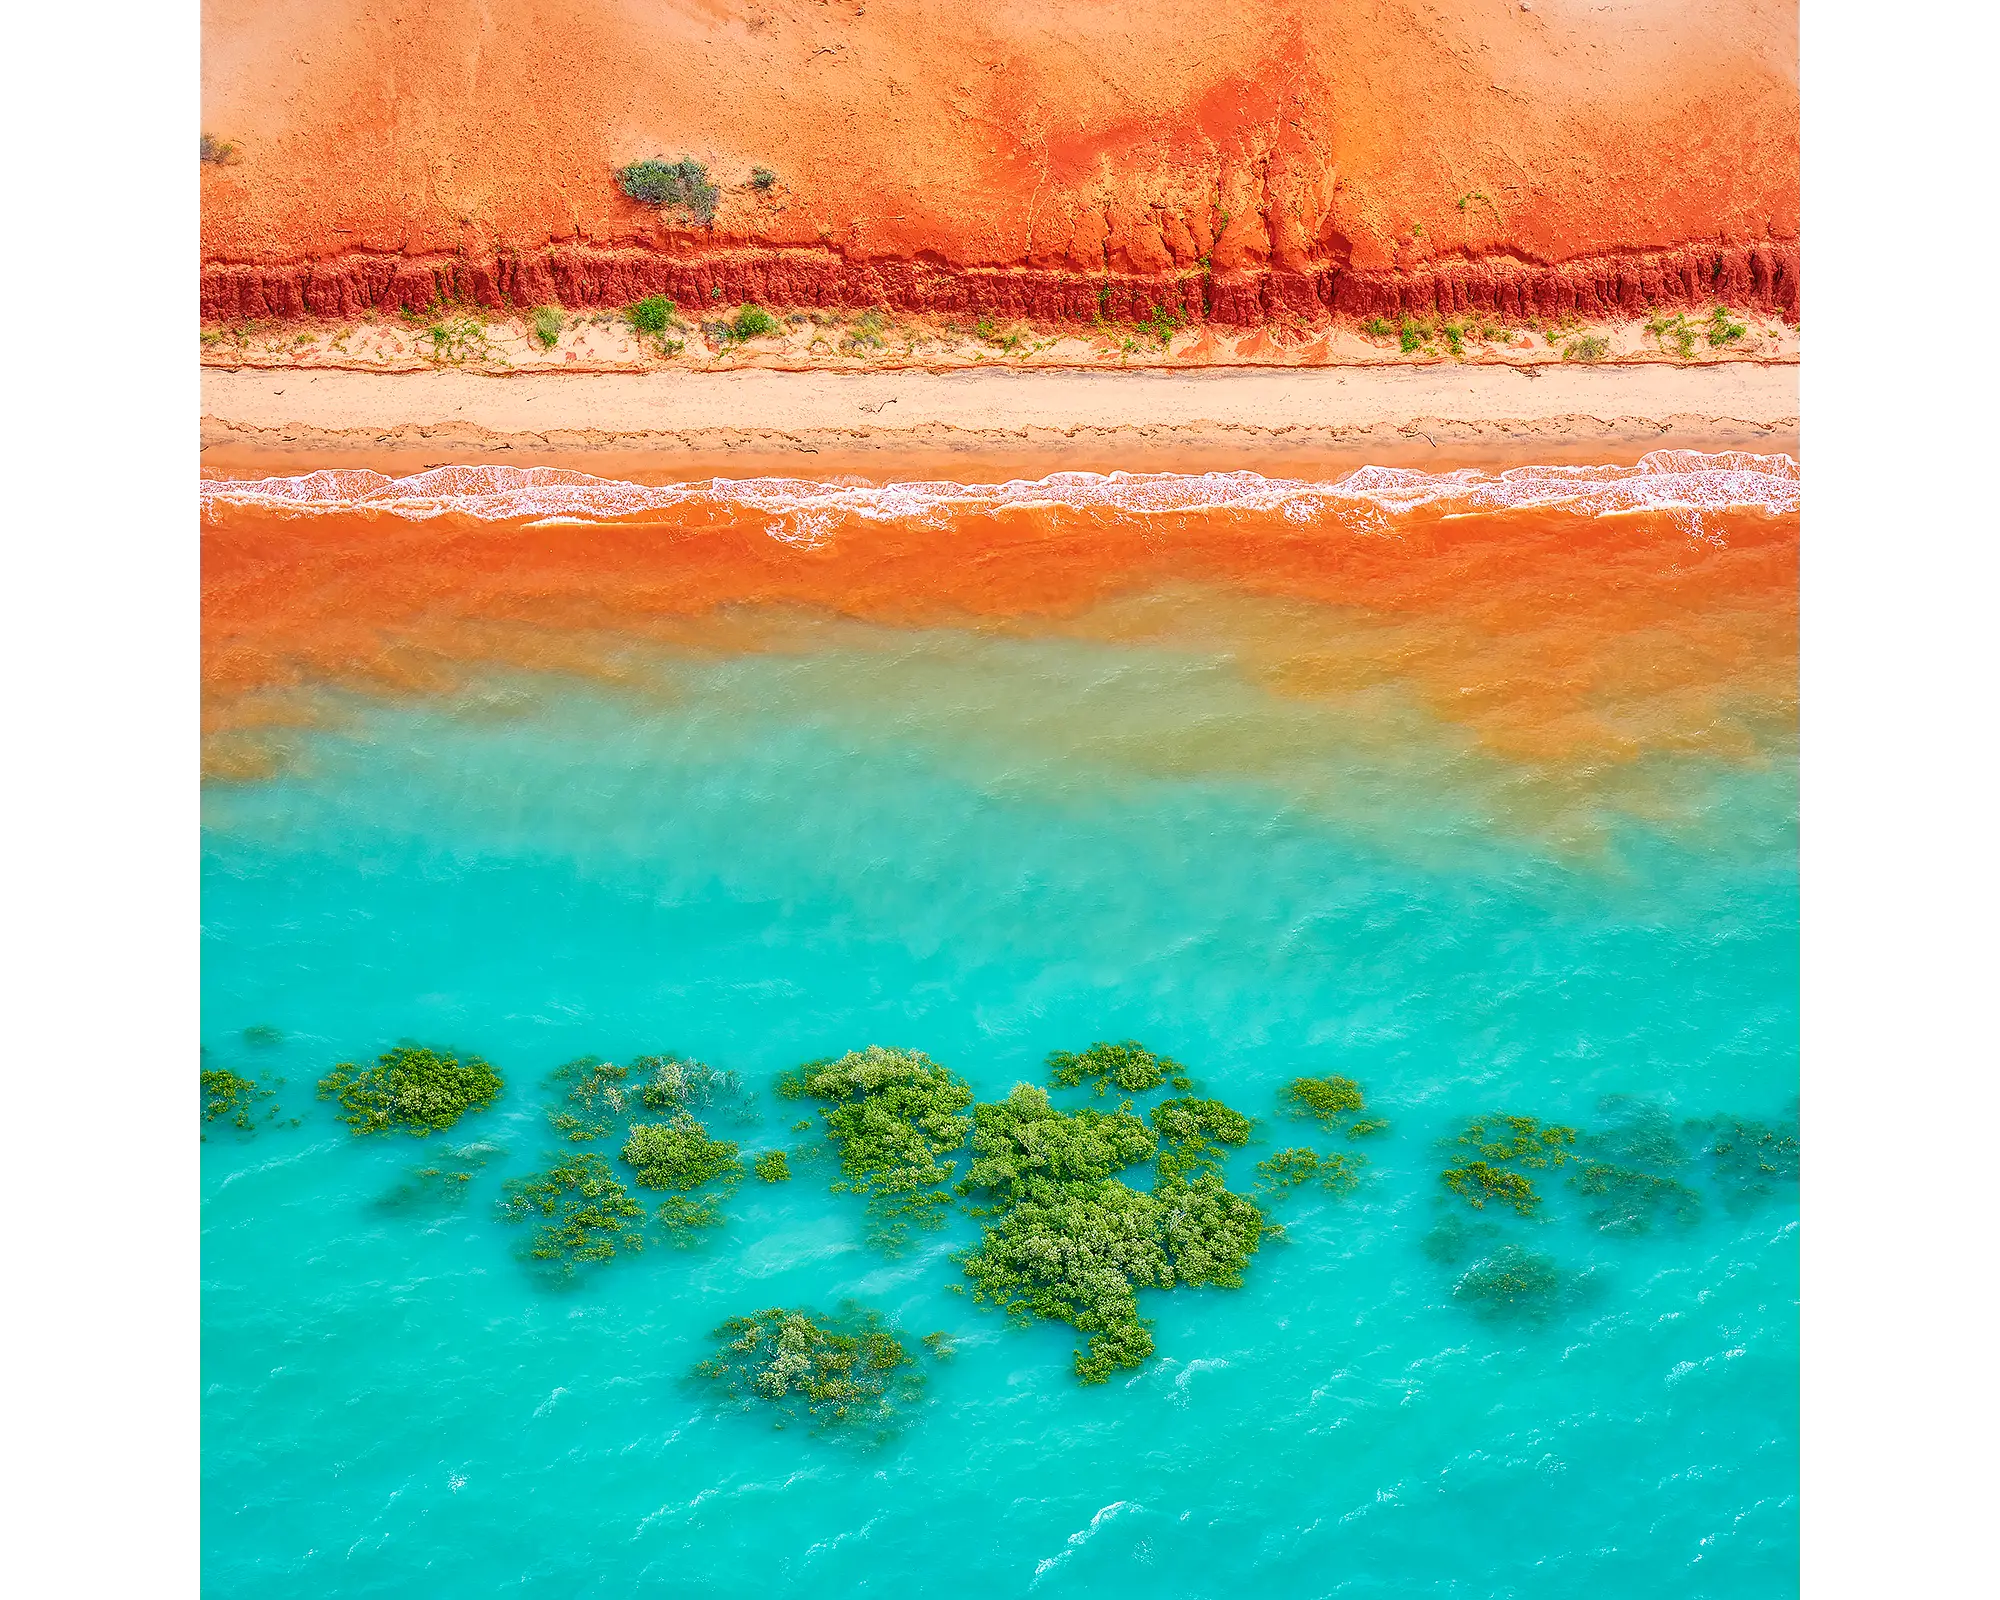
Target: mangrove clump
(1192, 1135)
(773, 1167)
(1325, 1100)
(1338, 1172)
(1071, 1242)
(897, 1118)
(852, 1373)
(419, 1090)
(1023, 1141)
(587, 1215)
(681, 1158)
(230, 1094)
(1131, 1066)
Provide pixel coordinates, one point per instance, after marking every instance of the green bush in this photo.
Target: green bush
(214, 151)
(1023, 1141)
(763, 179)
(773, 1167)
(1192, 1133)
(413, 1088)
(546, 324)
(753, 322)
(1588, 348)
(683, 183)
(1073, 1243)
(654, 314)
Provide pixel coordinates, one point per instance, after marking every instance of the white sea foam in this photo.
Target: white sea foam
(808, 511)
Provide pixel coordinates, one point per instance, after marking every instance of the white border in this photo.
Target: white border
(101, 801)
(1899, 812)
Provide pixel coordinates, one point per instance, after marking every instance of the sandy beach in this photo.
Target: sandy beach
(668, 424)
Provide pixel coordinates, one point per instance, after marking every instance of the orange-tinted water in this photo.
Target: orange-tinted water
(1586, 624)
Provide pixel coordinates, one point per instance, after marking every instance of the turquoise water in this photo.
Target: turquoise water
(973, 846)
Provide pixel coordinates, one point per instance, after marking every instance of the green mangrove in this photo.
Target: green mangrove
(897, 1118)
(1131, 1066)
(852, 1373)
(587, 1214)
(420, 1090)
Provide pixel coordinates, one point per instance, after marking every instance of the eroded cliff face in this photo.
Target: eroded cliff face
(1765, 277)
(1238, 162)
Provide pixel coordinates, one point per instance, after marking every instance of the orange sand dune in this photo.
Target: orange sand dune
(1263, 150)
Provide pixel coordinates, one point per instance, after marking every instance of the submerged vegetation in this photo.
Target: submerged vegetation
(673, 1083)
(894, 1115)
(852, 1374)
(773, 1167)
(587, 1214)
(416, 1089)
(1749, 1159)
(1512, 1282)
(1502, 1146)
(1628, 1171)
(595, 1096)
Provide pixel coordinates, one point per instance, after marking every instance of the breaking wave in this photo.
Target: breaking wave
(1683, 481)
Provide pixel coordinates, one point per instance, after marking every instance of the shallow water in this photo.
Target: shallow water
(1486, 800)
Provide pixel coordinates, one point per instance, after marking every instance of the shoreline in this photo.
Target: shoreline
(976, 424)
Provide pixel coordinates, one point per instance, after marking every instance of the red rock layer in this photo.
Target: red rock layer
(1760, 276)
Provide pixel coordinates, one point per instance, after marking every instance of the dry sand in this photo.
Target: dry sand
(1092, 139)
(979, 424)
